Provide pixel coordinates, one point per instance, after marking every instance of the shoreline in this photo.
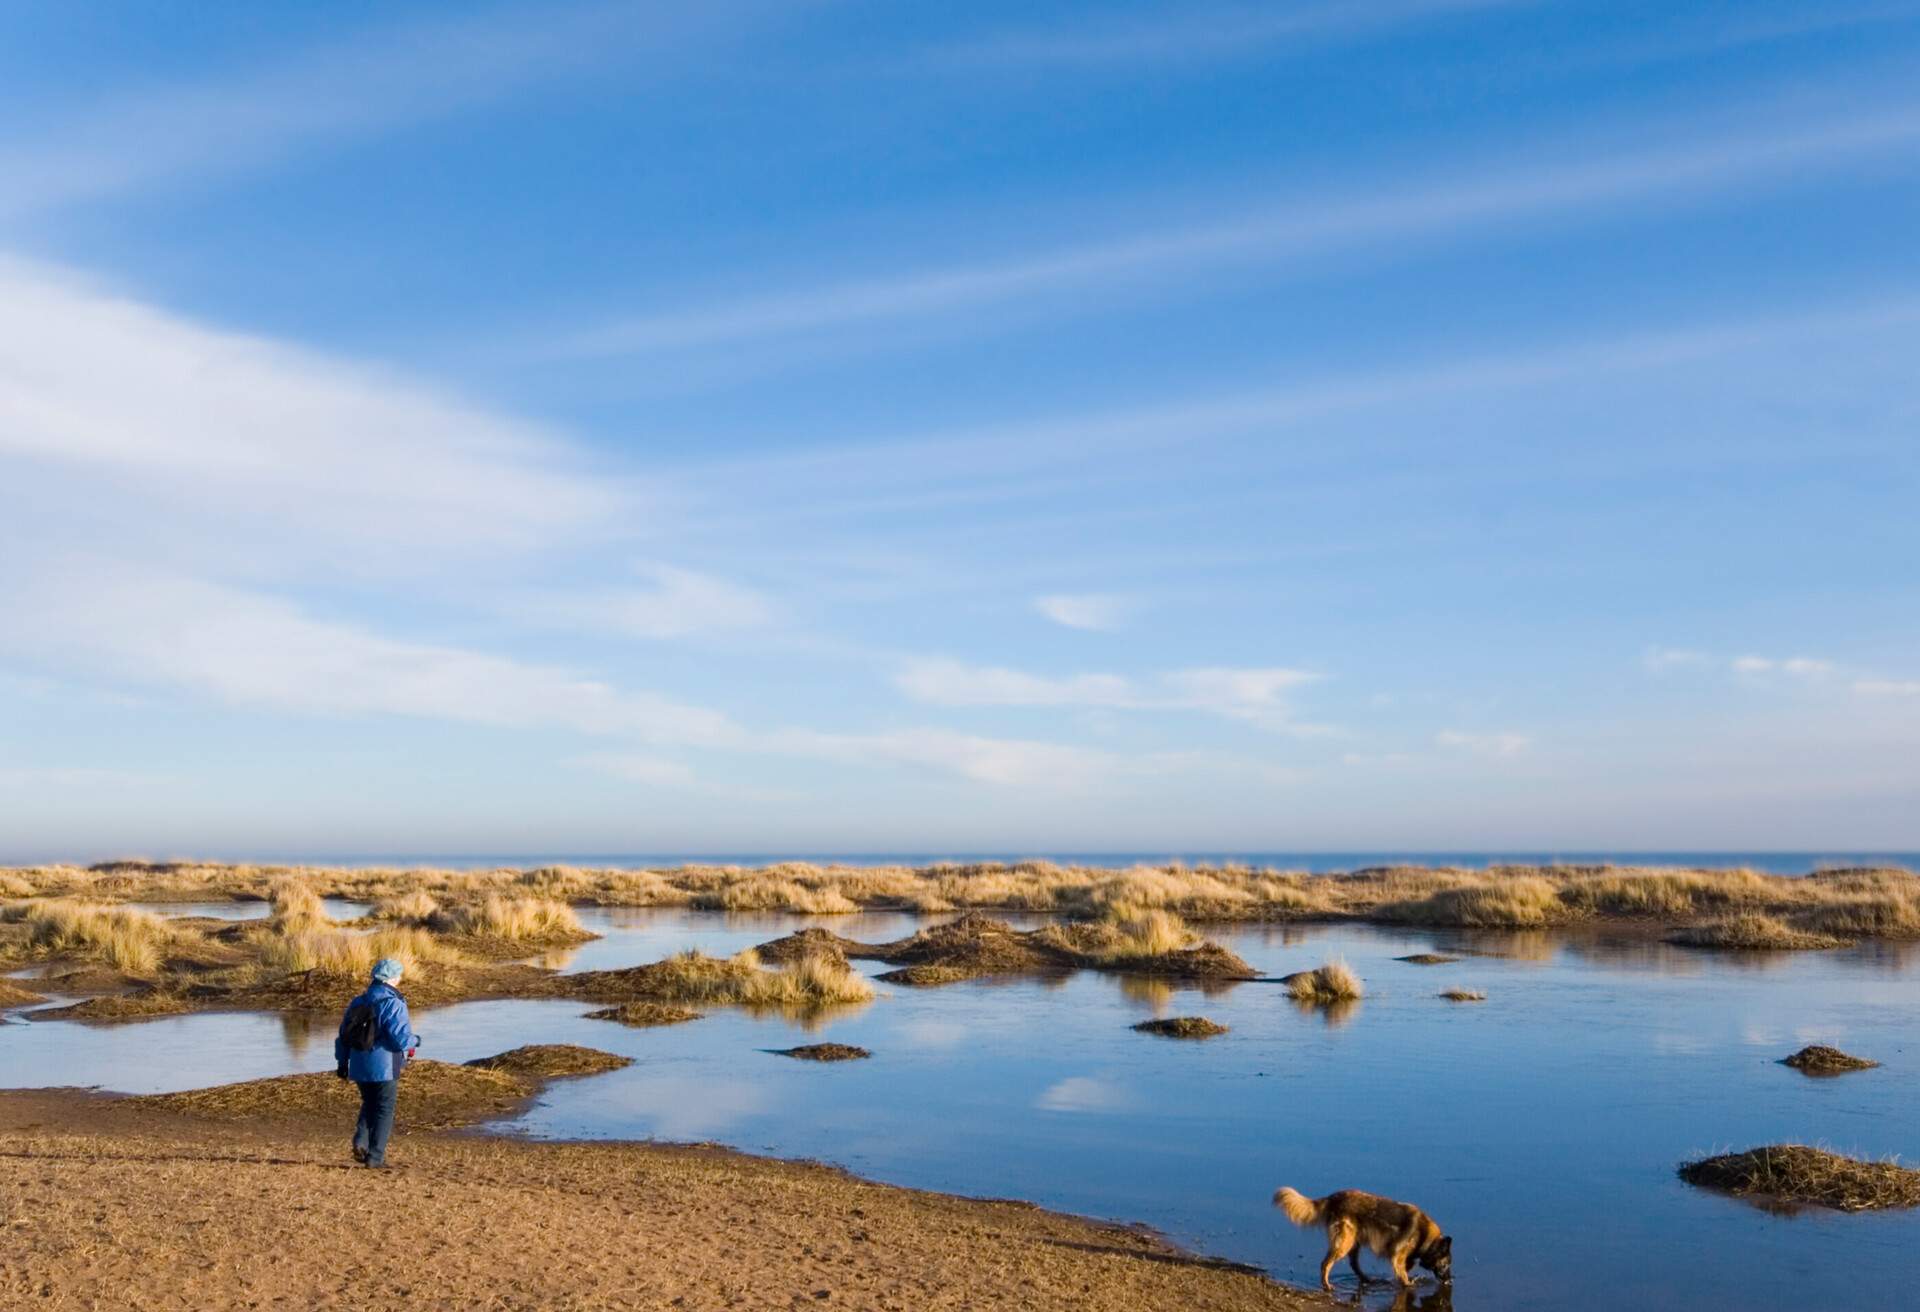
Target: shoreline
(113, 1203)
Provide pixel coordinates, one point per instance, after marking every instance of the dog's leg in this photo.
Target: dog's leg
(1353, 1260)
(1341, 1236)
(1402, 1253)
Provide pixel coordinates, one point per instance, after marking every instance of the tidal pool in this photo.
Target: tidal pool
(1541, 1127)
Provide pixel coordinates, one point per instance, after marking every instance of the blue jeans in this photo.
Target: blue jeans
(370, 1132)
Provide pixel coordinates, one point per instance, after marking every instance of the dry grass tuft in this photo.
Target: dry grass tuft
(336, 954)
(1819, 1059)
(1464, 995)
(296, 908)
(125, 938)
(644, 1015)
(823, 1052)
(696, 979)
(416, 908)
(1182, 1027)
(1795, 1173)
(1519, 903)
(1752, 933)
(521, 920)
(1333, 982)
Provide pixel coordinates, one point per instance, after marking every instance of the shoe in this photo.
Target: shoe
(360, 1155)
(376, 1166)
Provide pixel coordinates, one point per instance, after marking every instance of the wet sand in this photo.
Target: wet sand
(109, 1203)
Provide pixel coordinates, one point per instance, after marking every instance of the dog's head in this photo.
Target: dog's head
(1437, 1257)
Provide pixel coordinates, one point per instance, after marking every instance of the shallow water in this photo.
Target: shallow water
(1541, 1127)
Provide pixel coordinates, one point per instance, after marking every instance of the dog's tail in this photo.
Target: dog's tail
(1300, 1209)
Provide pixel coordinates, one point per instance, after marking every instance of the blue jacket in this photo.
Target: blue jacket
(392, 1036)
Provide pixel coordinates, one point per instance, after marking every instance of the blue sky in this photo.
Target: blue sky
(854, 426)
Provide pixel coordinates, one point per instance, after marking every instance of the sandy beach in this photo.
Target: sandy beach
(109, 1203)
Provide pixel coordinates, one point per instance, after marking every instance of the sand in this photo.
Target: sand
(114, 1203)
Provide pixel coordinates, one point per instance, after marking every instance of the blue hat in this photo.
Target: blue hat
(388, 970)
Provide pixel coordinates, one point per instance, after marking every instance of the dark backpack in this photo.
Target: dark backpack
(361, 1026)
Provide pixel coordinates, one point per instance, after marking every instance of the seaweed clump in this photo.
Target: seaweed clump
(1182, 1027)
(1794, 1173)
(1819, 1059)
(823, 1052)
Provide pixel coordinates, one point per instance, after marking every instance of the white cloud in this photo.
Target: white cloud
(1099, 612)
(321, 460)
(679, 603)
(1887, 687)
(1256, 695)
(258, 651)
(1799, 667)
(1661, 659)
(1483, 744)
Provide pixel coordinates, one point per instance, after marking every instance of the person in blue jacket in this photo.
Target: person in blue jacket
(376, 1038)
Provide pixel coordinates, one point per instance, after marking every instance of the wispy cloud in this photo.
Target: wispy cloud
(1255, 695)
(1798, 667)
(394, 75)
(1399, 210)
(1496, 744)
(1202, 31)
(1097, 612)
(676, 604)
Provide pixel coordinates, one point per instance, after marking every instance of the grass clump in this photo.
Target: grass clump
(1182, 1027)
(125, 938)
(1819, 1059)
(336, 954)
(296, 908)
(1333, 982)
(1753, 933)
(1463, 995)
(694, 978)
(644, 1015)
(1795, 1173)
(416, 908)
(511, 920)
(1522, 902)
(823, 1052)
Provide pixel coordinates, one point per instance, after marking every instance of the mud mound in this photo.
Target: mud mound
(1464, 995)
(980, 945)
(1818, 1059)
(644, 1015)
(823, 1052)
(1428, 959)
(432, 1094)
(806, 943)
(1795, 1173)
(12, 995)
(1754, 933)
(1182, 1027)
(551, 1061)
(144, 1004)
(928, 976)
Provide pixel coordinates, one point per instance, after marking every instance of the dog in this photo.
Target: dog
(1399, 1232)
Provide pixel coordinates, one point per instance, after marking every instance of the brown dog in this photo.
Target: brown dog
(1399, 1232)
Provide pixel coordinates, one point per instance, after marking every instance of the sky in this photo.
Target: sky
(786, 426)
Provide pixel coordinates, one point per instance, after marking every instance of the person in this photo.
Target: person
(373, 1055)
